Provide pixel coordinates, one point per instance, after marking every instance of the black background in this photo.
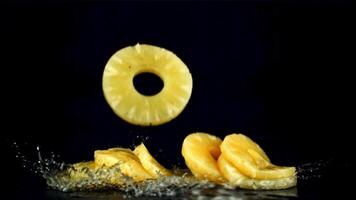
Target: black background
(279, 72)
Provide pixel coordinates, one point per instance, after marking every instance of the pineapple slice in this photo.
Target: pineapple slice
(85, 170)
(128, 162)
(250, 159)
(149, 163)
(236, 178)
(139, 109)
(200, 151)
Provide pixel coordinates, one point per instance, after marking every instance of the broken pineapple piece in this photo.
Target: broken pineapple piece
(139, 109)
(125, 159)
(149, 163)
(250, 159)
(236, 178)
(200, 152)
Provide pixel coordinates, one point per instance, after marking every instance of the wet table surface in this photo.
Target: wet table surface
(204, 194)
(321, 189)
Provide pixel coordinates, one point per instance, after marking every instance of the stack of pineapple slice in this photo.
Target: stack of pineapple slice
(139, 165)
(241, 162)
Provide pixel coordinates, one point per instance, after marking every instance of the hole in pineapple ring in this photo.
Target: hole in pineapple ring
(147, 83)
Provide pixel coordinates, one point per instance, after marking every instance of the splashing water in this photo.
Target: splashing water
(68, 178)
(41, 166)
(313, 170)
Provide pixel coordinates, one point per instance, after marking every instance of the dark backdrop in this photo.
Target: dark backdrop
(280, 73)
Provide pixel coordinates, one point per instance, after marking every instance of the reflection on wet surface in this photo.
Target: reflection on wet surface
(199, 194)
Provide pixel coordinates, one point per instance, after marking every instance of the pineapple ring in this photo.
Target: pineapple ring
(251, 160)
(236, 178)
(139, 109)
(200, 152)
(149, 163)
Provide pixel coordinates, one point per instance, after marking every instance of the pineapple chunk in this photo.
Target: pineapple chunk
(149, 163)
(250, 159)
(128, 162)
(200, 151)
(139, 109)
(236, 178)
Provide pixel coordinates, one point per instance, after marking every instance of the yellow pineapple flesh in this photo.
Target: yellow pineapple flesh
(236, 178)
(125, 159)
(251, 160)
(237, 161)
(200, 152)
(83, 171)
(149, 163)
(135, 107)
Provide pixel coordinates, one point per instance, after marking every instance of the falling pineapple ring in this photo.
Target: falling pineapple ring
(135, 107)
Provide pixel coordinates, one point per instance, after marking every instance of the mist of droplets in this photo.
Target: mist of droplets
(312, 170)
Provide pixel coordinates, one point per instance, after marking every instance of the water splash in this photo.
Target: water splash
(39, 165)
(70, 178)
(87, 179)
(313, 170)
(138, 139)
